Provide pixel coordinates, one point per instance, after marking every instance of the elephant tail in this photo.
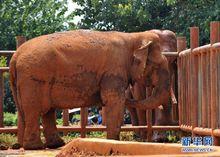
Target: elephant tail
(14, 88)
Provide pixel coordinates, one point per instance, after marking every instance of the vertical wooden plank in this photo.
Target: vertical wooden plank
(149, 124)
(19, 41)
(196, 90)
(184, 90)
(181, 45)
(199, 91)
(208, 82)
(103, 116)
(194, 42)
(204, 90)
(187, 89)
(84, 120)
(214, 37)
(214, 32)
(1, 99)
(65, 117)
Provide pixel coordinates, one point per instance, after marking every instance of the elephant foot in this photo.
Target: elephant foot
(54, 142)
(33, 145)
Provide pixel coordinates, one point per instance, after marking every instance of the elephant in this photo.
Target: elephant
(81, 68)
(161, 116)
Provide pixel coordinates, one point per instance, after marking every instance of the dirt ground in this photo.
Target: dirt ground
(29, 153)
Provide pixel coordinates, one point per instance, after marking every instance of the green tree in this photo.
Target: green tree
(30, 18)
(139, 15)
(190, 13)
(121, 15)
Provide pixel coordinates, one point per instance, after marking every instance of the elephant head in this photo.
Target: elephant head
(150, 67)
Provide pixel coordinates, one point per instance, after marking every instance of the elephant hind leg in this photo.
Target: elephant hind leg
(32, 139)
(50, 130)
(30, 98)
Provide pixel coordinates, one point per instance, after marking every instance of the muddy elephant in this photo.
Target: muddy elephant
(141, 91)
(79, 69)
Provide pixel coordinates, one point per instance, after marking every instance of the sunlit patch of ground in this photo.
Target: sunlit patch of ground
(29, 153)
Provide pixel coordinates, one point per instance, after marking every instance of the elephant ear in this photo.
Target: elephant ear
(141, 54)
(140, 60)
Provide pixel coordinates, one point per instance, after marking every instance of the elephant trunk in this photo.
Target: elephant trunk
(159, 96)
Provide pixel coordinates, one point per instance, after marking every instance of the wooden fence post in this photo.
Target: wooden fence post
(19, 41)
(103, 116)
(84, 120)
(1, 99)
(65, 117)
(181, 45)
(194, 42)
(214, 37)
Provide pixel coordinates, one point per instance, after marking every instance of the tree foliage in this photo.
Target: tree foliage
(121, 15)
(30, 18)
(139, 15)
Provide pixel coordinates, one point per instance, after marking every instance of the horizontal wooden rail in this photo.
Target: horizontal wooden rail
(4, 69)
(97, 128)
(171, 54)
(11, 52)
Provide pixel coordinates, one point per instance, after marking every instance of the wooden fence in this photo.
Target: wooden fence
(198, 90)
(199, 85)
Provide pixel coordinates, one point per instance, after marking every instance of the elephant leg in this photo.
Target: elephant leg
(114, 113)
(53, 140)
(30, 99)
(139, 93)
(113, 96)
(32, 131)
(21, 127)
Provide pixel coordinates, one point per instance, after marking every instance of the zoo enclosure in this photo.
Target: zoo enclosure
(198, 90)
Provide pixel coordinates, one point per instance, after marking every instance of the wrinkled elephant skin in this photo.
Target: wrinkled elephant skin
(138, 92)
(79, 69)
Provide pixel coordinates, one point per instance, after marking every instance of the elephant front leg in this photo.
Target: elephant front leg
(113, 96)
(114, 113)
(53, 140)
